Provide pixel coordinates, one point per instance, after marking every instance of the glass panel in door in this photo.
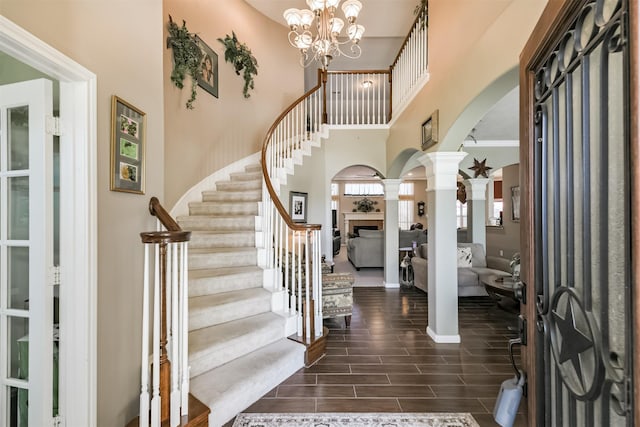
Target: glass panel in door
(26, 256)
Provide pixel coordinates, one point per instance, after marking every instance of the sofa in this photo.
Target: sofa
(469, 278)
(367, 250)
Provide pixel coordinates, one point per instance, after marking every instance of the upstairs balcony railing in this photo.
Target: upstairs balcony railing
(358, 97)
(411, 65)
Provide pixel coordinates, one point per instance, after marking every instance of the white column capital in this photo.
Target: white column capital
(476, 188)
(442, 169)
(391, 188)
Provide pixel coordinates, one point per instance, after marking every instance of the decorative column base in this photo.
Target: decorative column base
(443, 339)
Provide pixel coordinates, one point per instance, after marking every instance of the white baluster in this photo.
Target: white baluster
(184, 328)
(155, 400)
(298, 259)
(144, 389)
(174, 416)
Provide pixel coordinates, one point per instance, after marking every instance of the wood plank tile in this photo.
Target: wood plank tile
(283, 405)
(442, 405)
(394, 391)
(353, 379)
(320, 390)
(425, 379)
(384, 368)
(358, 405)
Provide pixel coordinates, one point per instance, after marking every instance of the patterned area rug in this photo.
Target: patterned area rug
(356, 420)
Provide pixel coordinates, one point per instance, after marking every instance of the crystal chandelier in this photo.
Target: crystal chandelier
(325, 44)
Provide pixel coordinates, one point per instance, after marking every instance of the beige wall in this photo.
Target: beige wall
(121, 42)
(225, 129)
(471, 45)
(507, 238)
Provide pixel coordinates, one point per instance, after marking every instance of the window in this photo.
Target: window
(461, 214)
(335, 196)
(364, 189)
(406, 206)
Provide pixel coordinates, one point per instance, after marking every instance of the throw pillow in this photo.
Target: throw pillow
(464, 257)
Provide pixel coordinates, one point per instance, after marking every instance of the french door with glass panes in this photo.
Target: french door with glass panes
(26, 256)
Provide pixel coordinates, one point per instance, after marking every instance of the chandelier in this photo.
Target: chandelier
(326, 43)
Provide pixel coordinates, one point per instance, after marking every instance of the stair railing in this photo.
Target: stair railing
(165, 394)
(293, 248)
(411, 65)
(358, 97)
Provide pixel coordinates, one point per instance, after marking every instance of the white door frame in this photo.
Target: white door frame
(78, 219)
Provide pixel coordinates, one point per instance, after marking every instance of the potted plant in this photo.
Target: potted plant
(187, 56)
(240, 56)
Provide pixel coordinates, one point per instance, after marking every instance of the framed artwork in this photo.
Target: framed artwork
(515, 203)
(208, 77)
(298, 206)
(128, 134)
(430, 131)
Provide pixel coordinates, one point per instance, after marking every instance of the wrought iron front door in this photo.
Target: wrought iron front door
(581, 226)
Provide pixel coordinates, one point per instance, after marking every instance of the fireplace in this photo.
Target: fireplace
(357, 228)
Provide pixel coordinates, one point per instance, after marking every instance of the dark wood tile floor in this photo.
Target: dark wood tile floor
(385, 362)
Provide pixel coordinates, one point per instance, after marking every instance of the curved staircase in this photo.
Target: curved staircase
(238, 349)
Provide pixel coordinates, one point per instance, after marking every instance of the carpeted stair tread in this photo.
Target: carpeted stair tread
(222, 239)
(256, 167)
(226, 279)
(246, 176)
(209, 310)
(222, 208)
(234, 386)
(207, 222)
(216, 345)
(222, 257)
(239, 185)
(236, 196)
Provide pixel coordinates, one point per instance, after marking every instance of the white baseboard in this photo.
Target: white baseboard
(391, 285)
(443, 339)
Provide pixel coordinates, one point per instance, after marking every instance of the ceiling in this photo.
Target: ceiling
(387, 23)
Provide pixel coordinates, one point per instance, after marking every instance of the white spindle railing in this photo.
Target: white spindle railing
(293, 249)
(358, 97)
(165, 320)
(412, 62)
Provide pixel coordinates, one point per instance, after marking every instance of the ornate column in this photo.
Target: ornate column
(477, 210)
(391, 234)
(442, 170)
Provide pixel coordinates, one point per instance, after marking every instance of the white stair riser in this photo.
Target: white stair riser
(203, 318)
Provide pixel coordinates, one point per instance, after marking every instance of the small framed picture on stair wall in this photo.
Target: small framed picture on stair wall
(128, 134)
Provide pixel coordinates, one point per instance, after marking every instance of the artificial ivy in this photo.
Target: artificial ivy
(186, 57)
(242, 59)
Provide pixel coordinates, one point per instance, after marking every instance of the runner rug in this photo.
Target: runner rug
(356, 420)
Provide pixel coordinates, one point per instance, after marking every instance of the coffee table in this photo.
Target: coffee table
(500, 288)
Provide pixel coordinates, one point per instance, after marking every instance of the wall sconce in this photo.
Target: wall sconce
(420, 208)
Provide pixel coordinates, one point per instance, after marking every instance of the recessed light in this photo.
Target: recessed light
(367, 84)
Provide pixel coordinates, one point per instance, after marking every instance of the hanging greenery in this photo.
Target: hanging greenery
(422, 9)
(242, 59)
(187, 56)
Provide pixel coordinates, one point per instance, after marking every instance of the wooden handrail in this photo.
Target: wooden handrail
(406, 39)
(156, 209)
(359, 72)
(274, 196)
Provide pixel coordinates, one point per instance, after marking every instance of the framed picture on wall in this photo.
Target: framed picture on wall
(208, 76)
(298, 206)
(430, 131)
(128, 134)
(515, 203)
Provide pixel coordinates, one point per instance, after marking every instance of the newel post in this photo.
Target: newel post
(323, 76)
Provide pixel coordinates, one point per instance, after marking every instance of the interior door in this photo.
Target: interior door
(26, 255)
(576, 121)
